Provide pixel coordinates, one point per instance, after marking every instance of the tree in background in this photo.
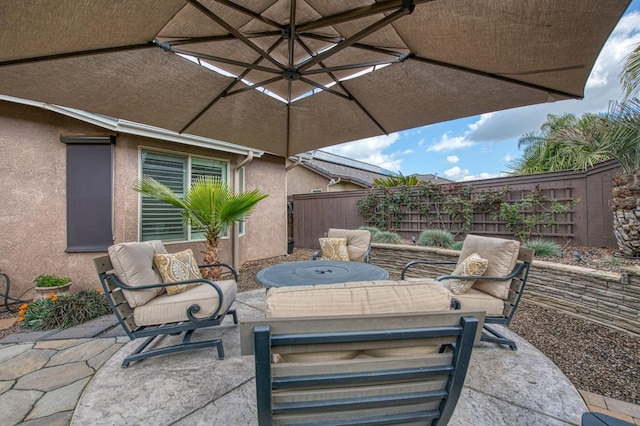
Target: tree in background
(393, 181)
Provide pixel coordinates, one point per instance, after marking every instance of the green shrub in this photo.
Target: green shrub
(436, 238)
(456, 245)
(386, 237)
(63, 311)
(544, 248)
(372, 229)
(51, 281)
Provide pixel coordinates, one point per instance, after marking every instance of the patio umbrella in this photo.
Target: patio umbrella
(287, 76)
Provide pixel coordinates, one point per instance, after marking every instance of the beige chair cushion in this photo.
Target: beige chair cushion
(180, 266)
(334, 249)
(502, 256)
(474, 265)
(358, 241)
(357, 298)
(476, 300)
(169, 309)
(133, 264)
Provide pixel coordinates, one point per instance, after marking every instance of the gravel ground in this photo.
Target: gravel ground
(595, 358)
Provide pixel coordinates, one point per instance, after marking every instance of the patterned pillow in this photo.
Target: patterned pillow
(474, 265)
(334, 248)
(181, 266)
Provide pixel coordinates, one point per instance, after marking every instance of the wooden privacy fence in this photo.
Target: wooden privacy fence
(588, 223)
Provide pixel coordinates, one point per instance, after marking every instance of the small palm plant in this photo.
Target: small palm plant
(209, 204)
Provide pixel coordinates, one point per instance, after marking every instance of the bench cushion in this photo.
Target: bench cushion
(357, 298)
(502, 255)
(476, 300)
(133, 264)
(169, 309)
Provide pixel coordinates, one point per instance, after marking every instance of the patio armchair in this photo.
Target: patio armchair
(152, 301)
(332, 388)
(357, 243)
(495, 288)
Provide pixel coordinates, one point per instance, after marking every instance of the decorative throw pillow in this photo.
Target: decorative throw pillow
(474, 265)
(334, 248)
(181, 266)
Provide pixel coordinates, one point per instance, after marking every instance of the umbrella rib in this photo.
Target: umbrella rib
(494, 76)
(225, 60)
(235, 32)
(356, 37)
(352, 66)
(357, 13)
(78, 53)
(196, 40)
(229, 87)
(253, 86)
(324, 88)
(349, 94)
(292, 34)
(251, 13)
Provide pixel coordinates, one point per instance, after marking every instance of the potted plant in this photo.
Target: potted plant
(51, 284)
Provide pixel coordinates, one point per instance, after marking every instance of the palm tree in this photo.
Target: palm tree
(547, 151)
(393, 181)
(630, 75)
(616, 135)
(210, 205)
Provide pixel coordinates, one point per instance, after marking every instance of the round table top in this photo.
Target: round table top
(311, 272)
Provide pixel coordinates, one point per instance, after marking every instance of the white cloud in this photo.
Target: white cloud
(448, 143)
(483, 175)
(456, 173)
(452, 159)
(369, 151)
(507, 158)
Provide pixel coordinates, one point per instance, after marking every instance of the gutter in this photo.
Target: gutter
(139, 129)
(235, 233)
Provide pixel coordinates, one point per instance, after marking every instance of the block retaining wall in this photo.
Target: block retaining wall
(608, 298)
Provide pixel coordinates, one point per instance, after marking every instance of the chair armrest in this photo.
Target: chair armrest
(511, 276)
(425, 262)
(224, 265)
(316, 254)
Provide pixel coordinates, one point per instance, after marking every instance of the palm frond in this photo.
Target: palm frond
(151, 188)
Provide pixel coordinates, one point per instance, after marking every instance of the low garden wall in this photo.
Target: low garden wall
(608, 298)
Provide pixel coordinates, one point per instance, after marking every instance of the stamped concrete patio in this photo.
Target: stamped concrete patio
(191, 388)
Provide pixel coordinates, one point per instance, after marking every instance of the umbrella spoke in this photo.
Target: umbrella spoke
(235, 32)
(292, 33)
(495, 77)
(229, 87)
(358, 36)
(357, 13)
(353, 66)
(253, 86)
(79, 53)
(224, 60)
(349, 94)
(325, 88)
(251, 13)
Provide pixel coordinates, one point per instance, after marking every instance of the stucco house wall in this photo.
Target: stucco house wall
(33, 199)
(303, 181)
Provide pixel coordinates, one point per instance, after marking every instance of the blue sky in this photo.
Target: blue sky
(480, 147)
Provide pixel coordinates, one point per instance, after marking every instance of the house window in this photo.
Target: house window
(89, 190)
(159, 220)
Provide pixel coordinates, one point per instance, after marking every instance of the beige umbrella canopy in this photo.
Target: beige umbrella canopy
(274, 74)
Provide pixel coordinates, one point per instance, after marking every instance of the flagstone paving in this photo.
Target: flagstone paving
(47, 380)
